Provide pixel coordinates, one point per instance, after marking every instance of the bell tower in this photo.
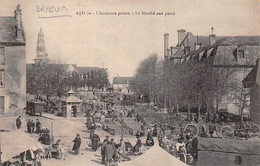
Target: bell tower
(41, 53)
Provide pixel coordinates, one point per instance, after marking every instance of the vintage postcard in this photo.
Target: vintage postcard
(130, 82)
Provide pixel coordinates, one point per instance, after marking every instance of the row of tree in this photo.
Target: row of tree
(54, 80)
(196, 83)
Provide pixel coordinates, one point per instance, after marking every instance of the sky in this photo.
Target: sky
(120, 43)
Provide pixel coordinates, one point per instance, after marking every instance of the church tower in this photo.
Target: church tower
(42, 55)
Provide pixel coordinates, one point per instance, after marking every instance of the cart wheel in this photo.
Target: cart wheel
(255, 130)
(227, 132)
(192, 129)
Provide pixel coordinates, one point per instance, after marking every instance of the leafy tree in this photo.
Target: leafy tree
(147, 77)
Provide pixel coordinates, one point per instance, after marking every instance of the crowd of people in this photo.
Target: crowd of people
(182, 147)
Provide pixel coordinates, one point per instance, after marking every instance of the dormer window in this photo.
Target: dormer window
(2, 55)
(241, 53)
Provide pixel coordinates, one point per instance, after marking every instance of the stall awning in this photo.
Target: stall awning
(154, 156)
(15, 142)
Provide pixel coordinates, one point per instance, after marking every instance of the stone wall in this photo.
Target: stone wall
(14, 91)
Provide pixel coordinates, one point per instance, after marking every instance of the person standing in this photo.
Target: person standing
(109, 152)
(18, 122)
(211, 129)
(165, 143)
(32, 126)
(121, 147)
(155, 130)
(77, 143)
(95, 141)
(92, 130)
(137, 146)
(29, 126)
(104, 144)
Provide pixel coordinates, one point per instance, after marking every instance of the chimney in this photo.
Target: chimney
(18, 19)
(117, 76)
(181, 35)
(212, 37)
(169, 54)
(166, 43)
(197, 44)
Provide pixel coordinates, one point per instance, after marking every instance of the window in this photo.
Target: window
(2, 55)
(2, 83)
(241, 53)
(2, 103)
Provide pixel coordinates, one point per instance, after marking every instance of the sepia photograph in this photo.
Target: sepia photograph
(130, 83)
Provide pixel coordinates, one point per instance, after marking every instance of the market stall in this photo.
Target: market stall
(16, 142)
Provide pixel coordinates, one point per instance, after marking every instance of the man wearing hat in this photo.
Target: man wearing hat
(77, 142)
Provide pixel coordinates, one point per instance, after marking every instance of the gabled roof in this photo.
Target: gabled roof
(121, 80)
(8, 32)
(73, 99)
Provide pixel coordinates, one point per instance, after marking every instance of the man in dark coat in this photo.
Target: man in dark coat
(95, 141)
(38, 126)
(155, 130)
(18, 122)
(29, 126)
(32, 126)
(77, 142)
(103, 150)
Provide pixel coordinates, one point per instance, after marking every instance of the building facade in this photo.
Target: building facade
(121, 84)
(252, 81)
(224, 53)
(12, 63)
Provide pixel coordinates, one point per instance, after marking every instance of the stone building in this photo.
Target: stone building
(121, 84)
(252, 81)
(12, 63)
(239, 52)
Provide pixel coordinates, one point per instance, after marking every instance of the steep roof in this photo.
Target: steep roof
(242, 40)
(250, 79)
(220, 41)
(8, 32)
(121, 80)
